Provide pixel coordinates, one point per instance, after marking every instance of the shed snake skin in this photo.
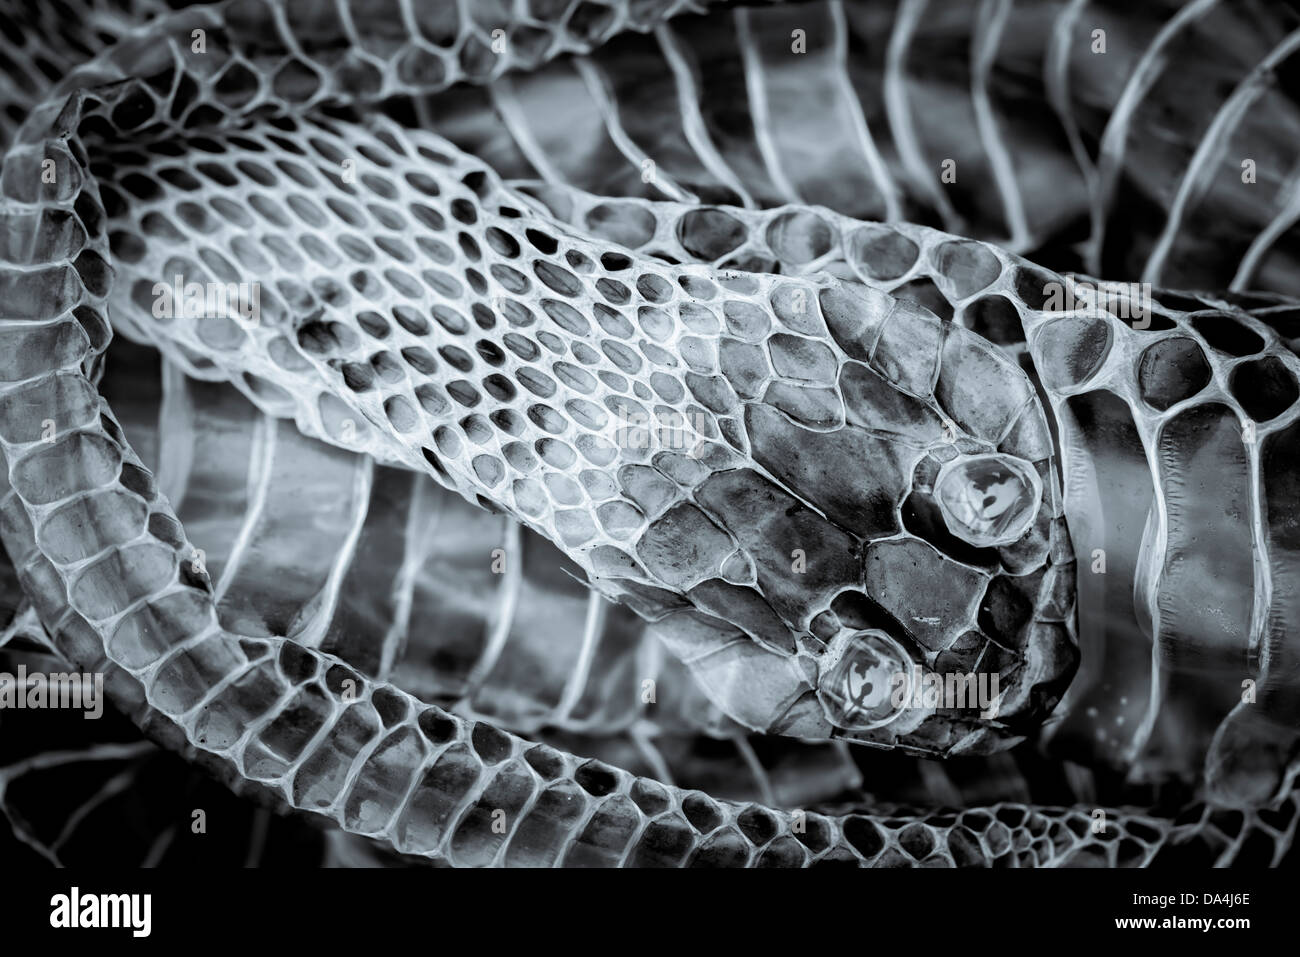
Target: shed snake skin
(768, 429)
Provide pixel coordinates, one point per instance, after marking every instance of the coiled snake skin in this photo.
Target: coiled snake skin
(765, 431)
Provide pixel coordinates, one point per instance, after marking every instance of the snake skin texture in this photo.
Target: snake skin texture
(765, 463)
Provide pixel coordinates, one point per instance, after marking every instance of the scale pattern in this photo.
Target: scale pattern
(1188, 402)
(738, 404)
(215, 685)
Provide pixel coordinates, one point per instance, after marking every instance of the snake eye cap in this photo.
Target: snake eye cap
(988, 500)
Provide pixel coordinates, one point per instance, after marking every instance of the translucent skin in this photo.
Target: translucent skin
(32, 474)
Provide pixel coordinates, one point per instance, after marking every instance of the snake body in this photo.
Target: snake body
(816, 411)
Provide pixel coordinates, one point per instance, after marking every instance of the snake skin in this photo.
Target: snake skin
(110, 563)
(1205, 389)
(395, 387)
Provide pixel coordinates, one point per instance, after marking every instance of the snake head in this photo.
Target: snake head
(794, 476)
(887, 561)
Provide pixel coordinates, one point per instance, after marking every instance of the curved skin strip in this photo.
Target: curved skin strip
(1056, 81)
(1115, 137)
(1107, 712)
(823, 156)
(1056, 199)
(1202, 408)
(415, 586)
(992, 18)
(1209, 150)
(900, 113)
(694, 130)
